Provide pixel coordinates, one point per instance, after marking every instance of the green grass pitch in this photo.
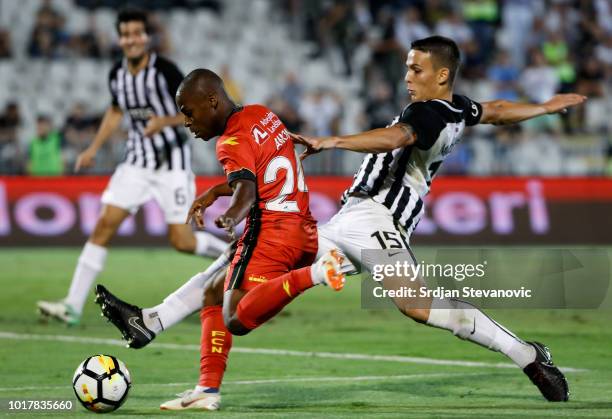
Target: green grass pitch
(267, 385)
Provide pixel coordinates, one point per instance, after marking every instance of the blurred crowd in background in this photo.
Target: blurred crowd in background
(519, 50)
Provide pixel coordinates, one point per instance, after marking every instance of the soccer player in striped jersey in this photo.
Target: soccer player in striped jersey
(385, 202)
(157, 163)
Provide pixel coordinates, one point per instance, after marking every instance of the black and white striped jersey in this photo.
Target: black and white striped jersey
(401, 178)
(151, 92)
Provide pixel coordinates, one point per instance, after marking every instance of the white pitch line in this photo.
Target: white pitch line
(277, 352)
(275, 381)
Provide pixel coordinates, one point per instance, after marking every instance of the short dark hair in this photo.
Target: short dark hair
(444, 51)
(130, 14)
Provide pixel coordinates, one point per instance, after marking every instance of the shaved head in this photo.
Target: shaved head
(202, 99)
(201, 81)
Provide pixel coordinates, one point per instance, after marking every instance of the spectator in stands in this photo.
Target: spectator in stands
(387, 54)
(88, 44)
(591, 78)
(292, 91)
(539, 80)
(338, 29)
(505, 77)
(518, 20)
(590, 82)
(160, 38)
(45, 150)
(321, 113)
(409, 27)
(231, 85)
(286, 112)
(453, 26)
(10, 153)
(482, 17)
(77, 132)
(6, 50)
(603, 52)
(48, 38)
(380, 107)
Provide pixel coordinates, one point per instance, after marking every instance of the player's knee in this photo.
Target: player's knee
(419, 315)
(235, 327)
(181, 243)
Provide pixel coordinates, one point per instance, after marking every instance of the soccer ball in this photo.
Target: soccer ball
(101, 383)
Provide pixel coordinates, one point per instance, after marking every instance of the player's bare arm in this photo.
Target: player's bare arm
(110, 123)
(205, 200)
(156, 123)
(243, 199)
(378, 140)
(500, 112)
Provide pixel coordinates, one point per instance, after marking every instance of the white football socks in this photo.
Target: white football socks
(184, 301)
(208, 244)
(90, 264)
(467, 322)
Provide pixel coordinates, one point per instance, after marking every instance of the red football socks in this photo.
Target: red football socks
(266, 300)
(215, 345)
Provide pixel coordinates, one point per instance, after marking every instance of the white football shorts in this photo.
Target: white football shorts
(361, 224)
(130, 187)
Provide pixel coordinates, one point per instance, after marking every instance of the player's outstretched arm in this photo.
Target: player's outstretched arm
(379, 140)
(500, 112)
(243, 199)
(110, 122)
(205, 200)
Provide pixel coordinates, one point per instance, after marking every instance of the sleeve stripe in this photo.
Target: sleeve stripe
(241, 174)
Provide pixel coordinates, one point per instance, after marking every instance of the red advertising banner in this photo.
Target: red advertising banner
(468, 211)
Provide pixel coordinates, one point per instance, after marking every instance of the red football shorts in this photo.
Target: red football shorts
(270, 250)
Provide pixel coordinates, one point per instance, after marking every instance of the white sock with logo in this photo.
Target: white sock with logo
(184, 301)
(208, 244)
(467, 322)
(90, 264)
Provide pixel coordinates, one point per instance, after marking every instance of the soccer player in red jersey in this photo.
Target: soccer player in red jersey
(273, 263)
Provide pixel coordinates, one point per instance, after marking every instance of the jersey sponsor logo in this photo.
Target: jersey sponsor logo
(142, 114)
(230, 141)
(271, 120)
(257, 278)
(259, 134)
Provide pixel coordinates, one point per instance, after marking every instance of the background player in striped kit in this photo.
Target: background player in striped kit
(157, 163)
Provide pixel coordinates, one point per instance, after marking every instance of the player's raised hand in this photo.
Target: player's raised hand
(85, 159)
(560, 103)
(196, 212)
(154, 125)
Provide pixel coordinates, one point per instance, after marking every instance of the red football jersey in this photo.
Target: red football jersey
(256, 145)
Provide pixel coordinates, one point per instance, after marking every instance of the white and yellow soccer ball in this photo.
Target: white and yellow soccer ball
(101, 383)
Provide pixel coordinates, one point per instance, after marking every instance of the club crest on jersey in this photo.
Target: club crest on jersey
(259, 134)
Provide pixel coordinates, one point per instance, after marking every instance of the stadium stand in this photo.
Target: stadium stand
(329, 67)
